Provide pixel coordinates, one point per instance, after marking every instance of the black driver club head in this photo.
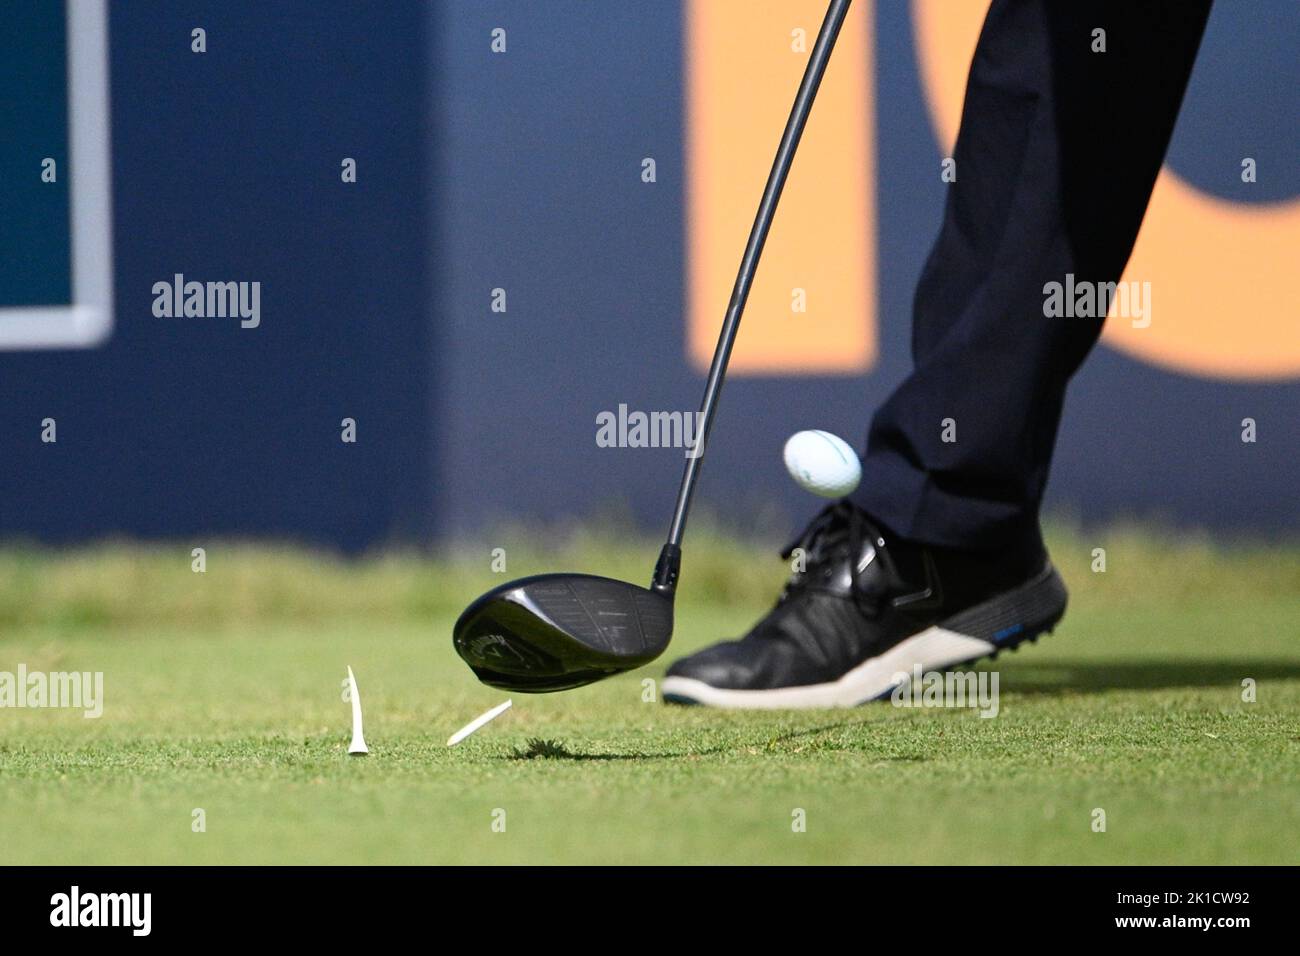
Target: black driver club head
(559, 631)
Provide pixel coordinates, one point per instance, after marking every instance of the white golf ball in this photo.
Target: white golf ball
(822, 463)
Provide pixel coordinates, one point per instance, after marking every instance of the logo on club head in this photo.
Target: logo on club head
(492, 647)
(500, 652)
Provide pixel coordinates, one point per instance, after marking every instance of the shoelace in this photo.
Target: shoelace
(837, 525)
(836, 533)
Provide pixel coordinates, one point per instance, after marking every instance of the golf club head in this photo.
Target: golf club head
(559, 631)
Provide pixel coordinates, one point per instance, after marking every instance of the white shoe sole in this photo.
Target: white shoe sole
(1002, 622)
(934, 649)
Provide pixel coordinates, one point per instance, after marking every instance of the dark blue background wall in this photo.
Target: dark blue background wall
(520, 171)
(226, 167)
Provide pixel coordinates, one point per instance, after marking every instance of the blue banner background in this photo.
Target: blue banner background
(520, 171)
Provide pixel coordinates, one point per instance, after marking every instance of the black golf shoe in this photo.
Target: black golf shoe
(863, 611)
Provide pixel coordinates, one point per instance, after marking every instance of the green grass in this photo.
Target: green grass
(222, 692)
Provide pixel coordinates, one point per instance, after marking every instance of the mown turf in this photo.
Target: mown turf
(222, 692)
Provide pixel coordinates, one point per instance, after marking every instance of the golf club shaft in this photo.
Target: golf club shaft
(670, 558)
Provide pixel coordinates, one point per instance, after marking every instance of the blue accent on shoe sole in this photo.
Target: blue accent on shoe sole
(1007, 632)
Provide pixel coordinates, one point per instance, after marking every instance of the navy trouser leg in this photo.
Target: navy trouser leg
(1056, 156)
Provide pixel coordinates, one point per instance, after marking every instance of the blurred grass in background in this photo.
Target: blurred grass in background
(131, 583)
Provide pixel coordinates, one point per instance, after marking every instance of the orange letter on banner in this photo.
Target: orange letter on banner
(1224, 297)
(742, 73)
